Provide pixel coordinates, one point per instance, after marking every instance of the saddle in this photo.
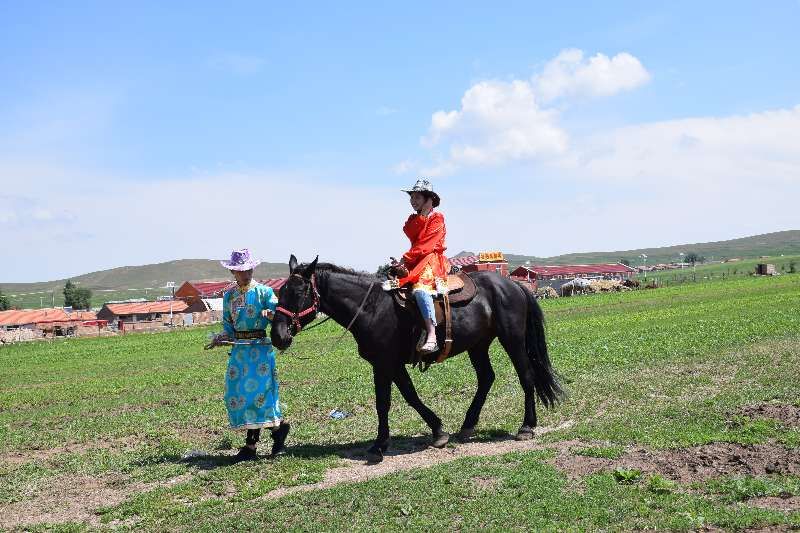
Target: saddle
(460, 291)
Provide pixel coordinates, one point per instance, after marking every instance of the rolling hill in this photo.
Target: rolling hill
(145, 281)
(768, 244)
(131, 281)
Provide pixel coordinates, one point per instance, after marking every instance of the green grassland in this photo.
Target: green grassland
(55, 298)
(772, 244)
(663, 369)
(722, 271)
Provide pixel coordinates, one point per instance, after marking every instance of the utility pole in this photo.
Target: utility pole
(171, 285)
(644, 263)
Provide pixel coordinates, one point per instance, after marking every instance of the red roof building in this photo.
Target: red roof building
(484, 262)
(146, 311)
(463, 260)
(192, 291)
(44, 318)
(608, 270)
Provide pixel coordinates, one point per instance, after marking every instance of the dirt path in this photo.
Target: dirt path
(75, 499)
(356, 470)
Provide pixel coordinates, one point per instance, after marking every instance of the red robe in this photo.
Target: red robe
(427, 248)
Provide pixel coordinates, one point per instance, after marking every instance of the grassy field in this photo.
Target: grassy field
(780, 242)
(38, 299)
(94, 433)
(722, 271)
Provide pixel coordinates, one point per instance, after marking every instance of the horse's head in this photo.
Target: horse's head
(298, 303)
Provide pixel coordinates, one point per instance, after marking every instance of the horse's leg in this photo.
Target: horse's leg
(383, 400)
(409, 392)
(512, 337)
(479, 356)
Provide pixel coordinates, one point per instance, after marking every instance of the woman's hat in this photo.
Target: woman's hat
(424, 187)
(240, 260)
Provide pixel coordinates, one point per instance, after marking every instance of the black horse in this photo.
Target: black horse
(501, 309)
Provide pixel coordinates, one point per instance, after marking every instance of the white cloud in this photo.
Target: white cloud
(501, 122)
(706, 151)
(141, 222)
(497, 122)
(569, 74)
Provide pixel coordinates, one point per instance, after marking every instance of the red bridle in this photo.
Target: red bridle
(295, 317)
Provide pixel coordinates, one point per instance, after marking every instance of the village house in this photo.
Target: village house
(145, 314)
(50, 322)
(193, 291)
(483, 262)
(532, 273)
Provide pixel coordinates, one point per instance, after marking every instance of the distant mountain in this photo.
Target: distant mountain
(129, 281)
(768, 244)
(145, 276)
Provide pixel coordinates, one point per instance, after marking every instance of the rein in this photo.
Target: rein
(295, 317)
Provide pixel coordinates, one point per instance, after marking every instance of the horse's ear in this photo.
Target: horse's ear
(292, 264)
(311, 268)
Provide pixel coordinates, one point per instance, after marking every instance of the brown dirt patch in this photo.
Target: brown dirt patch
(399, 460)
(485, 483)
(578, 466)
(786, 414)
(778, 504)
(27, 456)
(687, 465)
(73, 499)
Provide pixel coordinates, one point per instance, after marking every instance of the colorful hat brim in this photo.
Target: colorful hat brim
(245, 266)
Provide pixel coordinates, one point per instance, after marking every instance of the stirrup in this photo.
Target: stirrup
(429, 348)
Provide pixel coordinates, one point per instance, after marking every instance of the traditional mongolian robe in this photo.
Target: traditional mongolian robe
(425, 260)
(251, 383)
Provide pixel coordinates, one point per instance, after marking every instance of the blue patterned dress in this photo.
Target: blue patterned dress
(251, 382)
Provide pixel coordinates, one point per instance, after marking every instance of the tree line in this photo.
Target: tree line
(74, 296)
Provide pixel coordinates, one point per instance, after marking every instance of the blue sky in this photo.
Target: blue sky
(137, 133)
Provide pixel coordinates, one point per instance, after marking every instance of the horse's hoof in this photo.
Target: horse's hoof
(374, 455)
(524, 433)
(440, 439)
(465, 434)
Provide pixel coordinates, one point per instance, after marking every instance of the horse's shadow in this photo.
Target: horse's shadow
(355, 451)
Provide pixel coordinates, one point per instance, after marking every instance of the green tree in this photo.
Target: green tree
(692, 258)
(624, 261)
(792, 267)
(383, 271)
(4, 304)
(77, 297)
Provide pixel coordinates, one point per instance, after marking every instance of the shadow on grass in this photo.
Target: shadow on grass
(356, 451)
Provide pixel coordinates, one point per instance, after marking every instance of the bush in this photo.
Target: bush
(77, 298)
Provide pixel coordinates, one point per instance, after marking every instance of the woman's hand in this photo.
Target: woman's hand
(399, 268)
(216, 340)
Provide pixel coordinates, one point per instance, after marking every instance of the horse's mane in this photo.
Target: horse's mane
(330, 268)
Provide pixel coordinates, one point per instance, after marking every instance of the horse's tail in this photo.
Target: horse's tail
(545, 381)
